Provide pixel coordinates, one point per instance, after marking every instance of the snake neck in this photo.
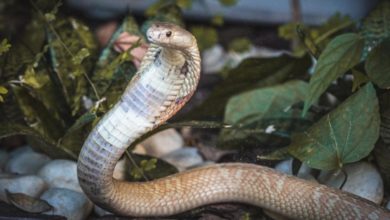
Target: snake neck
(158, 90)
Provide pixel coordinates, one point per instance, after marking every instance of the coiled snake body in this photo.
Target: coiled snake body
(167, 78)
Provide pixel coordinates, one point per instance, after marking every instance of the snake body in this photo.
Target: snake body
(167, 78)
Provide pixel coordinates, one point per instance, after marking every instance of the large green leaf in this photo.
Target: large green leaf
(264, 115)
(345, 135)
(341, 54)
(269, 102)
(46, 144)
(378, 64)
(250, 74)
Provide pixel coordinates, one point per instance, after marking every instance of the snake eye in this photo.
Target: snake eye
(168, 34)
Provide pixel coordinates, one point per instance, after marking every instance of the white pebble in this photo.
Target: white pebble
(363, 180)
(184, 158)
(73, 205)
(61, 174)
(30, 185)
(25, 162)
(285, 166)
(100, 211)
(163, 143)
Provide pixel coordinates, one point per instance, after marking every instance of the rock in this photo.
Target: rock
(3, 159)
(184, 158)
(214, 59)
(163, 143)
(363, 180)
(388, 205)
(120, 170)
(20, 150)
(61, 174)
(101, 212)
(286, 167)
(25, 161)
(30, 185)
(71, 204)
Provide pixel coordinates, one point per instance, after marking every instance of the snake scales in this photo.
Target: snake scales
(167, 78)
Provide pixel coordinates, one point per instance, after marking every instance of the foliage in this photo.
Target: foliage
(340, 55)
(240, 44)
(376, 26)
(262, 116)
(314, 38)
(345, 135)
(52, 73)
(377, 64)
(252, 73)
(3, 91)
(4, 46)
(206, 36)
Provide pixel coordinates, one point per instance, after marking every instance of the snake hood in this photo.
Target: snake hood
(170, 36)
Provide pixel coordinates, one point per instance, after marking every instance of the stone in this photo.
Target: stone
(71, 204)
(61, 174)
(214, 59)
(285, 166)
(163, 143)
(100, 211)
(120, 170)
(30, 185)
(363, 180)
(25, 161)
(184, 158)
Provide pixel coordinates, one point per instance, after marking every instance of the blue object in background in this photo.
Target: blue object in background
(256, 11)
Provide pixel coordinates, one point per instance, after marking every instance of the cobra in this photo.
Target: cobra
(167, 78)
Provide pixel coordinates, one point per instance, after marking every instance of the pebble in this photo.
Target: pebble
(61, 174)
(184, 158)
(100, 211)
(163, 143)
(71, 204)
(285, 166)
(30, 185)
(120, 170)
(363, 180)
(25, 161)
(214, 59)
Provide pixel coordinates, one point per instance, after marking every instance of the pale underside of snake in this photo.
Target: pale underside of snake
(167, 78)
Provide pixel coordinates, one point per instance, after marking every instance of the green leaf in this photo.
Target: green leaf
(345, 135)
(80, 56)
(378, 64)
(341, 54)
(228, 2)
(359, 78)
(3, 90)
(263, 116)
(83, 120)
(4, 46)
(46, 144)
(206, 36)
(252, 73)
(38, 115)
(217, 20)
(240, 45)
(268, 102)
(185, 4)
(376, 27)
(148, 167)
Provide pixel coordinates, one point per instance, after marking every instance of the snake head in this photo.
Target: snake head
(170, 35)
